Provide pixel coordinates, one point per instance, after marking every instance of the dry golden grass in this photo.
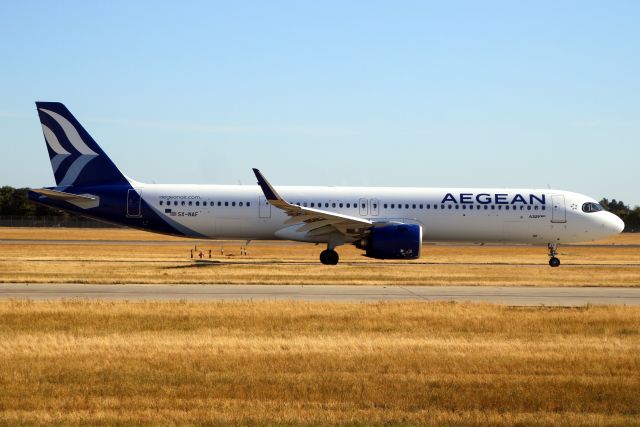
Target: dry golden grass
(129, 256)
(311, 363)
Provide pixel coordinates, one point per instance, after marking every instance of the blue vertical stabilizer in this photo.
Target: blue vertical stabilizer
(72, 149)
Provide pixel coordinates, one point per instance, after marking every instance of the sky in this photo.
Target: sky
(376, 93)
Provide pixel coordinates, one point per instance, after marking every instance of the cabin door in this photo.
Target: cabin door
(134, 203)
(264, 208)
(558, 211)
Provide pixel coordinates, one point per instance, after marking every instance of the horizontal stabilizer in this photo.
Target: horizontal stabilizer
(61, 195)
(84, 201)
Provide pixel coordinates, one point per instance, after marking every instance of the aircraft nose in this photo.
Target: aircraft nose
(615, 224)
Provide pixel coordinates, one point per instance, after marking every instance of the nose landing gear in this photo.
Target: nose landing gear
(553, 251)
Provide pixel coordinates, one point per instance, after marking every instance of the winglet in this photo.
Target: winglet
(269, 192)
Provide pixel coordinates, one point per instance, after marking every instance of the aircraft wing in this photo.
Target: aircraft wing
(317, 222)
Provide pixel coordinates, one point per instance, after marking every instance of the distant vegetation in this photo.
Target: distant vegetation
(14, 202)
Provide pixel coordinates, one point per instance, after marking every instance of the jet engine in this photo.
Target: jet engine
(393, 241)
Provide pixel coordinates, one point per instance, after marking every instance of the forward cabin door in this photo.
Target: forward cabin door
(264, 208)
(558, 211)
(363, 207)
(134, 203)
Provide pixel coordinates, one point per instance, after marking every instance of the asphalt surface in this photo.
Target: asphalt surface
(516, 296)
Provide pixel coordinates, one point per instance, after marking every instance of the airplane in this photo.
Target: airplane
(384, 222)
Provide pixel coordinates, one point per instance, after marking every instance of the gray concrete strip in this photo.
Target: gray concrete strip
(518, 296)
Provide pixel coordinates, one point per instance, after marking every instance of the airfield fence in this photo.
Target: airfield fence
(53, 221)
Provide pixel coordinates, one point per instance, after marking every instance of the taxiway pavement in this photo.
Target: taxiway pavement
(509, 295)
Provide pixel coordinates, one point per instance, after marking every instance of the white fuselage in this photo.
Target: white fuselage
(446, 214)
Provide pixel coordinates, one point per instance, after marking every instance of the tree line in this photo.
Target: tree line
(14, 202)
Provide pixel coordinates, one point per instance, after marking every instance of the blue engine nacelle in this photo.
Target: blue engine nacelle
(394, 241)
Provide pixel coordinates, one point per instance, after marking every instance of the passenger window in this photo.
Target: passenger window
(384, 206)
(348, 205)
(219, 203)
(326, 205)
(499, 207)
(441, 206)
(486, 208)
(428, 206)
(464, 207)
(457, 206)
(421, 206)
(434, 206)
(544, 208)
(204, 203)
(160, 202)
(197, 203)
(393, 205)
(240, 204)
(175, 203)
(340, 205)
(493, 207)
(226, 203)
(248, 204)
(333, 205)
(406, 206)
(182, 203)
(535, 207)
(413, 206)
(233, 203)
(529, 207)
(449, 206)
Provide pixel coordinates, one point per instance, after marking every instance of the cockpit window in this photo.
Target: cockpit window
(592, 207)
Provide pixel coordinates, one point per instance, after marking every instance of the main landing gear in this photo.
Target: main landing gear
(553, 251)
(329, 257)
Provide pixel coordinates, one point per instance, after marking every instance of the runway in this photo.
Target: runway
(515, 296)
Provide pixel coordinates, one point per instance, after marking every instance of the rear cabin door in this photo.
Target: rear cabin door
(558, 211)
(363, 207)
(134, 203)
(264, 208)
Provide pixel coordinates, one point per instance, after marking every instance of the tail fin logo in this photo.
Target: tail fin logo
(84, 153)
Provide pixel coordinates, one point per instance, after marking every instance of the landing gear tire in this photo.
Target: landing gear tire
(553, 251)
(329, 257)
